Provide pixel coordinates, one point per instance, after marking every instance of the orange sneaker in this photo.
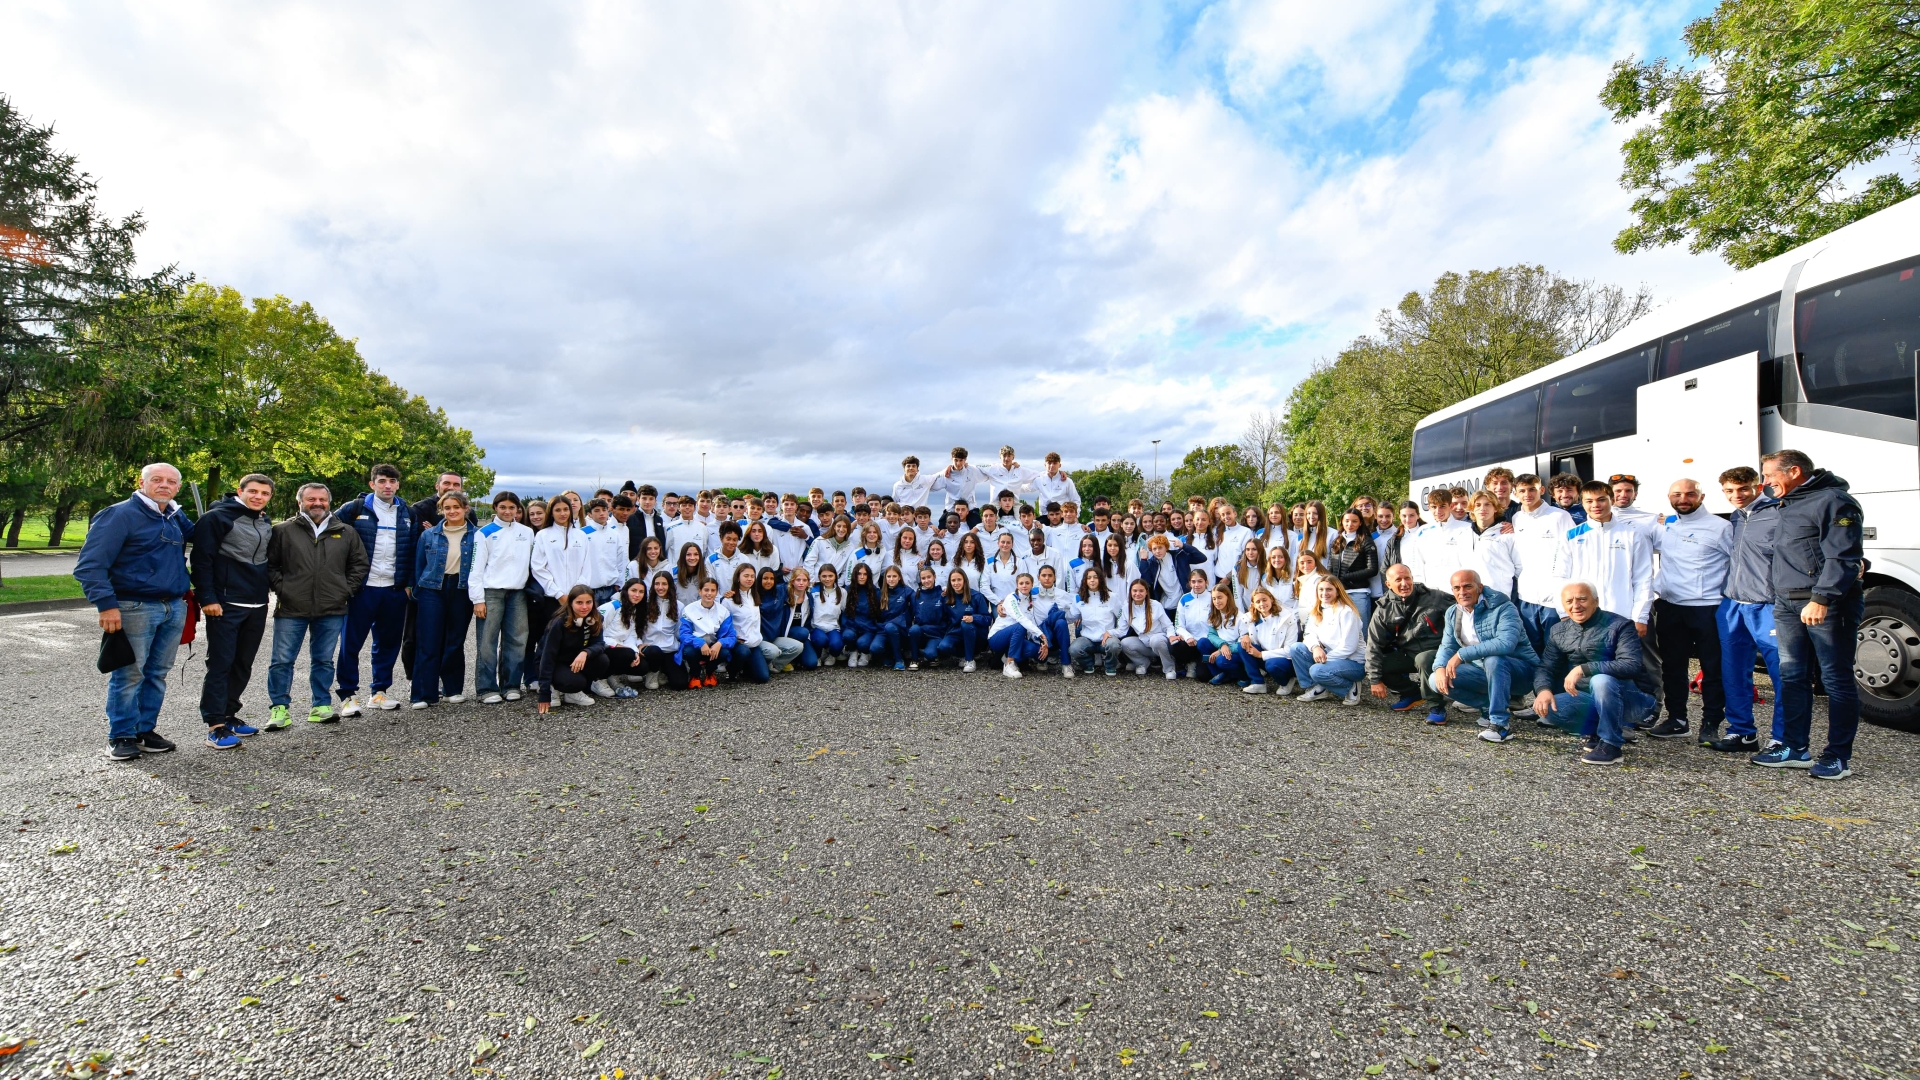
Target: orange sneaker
(713, 680)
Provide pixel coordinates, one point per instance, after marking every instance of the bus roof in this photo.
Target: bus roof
(1872, 241)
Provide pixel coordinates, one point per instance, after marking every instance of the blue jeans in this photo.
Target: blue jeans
(440, 623)
(1603, 710)
(382, 611)
(323, 636)
(1830, 646)
(1746, 630)
(1275, 667)
(1014, 644)
(747, 662)
(1487, 684)
(1337, 676)
(1362, 603)
(135, 692)
(827, 642)
(503, 642)
(1537, 620)
(1084, 649)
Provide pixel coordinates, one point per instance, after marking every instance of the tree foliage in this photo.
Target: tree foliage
(1748, 149)
(1349, 425)
(1119, 480)
(1222, 470)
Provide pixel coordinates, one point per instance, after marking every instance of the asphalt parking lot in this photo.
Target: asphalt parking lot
(872, 873)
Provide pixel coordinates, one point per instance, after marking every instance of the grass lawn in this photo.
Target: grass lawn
(14, 590)
(33, 533)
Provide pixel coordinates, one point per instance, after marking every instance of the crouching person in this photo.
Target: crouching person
(1484, 654)
(1593, 676)
(572, 653)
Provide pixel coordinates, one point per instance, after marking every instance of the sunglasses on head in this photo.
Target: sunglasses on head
(1624, 478)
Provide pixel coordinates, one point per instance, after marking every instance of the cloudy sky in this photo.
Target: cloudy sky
(808, 238)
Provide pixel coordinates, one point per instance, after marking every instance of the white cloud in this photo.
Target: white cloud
(806, 240)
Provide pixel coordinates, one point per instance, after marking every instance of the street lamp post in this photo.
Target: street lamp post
(703, 469)
(1156, 461)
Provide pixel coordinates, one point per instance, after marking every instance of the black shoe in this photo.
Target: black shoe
(151, 742)
(1589, 742)
(1709, 734)
(1670, 728)
(1736, 744)
(1602, 755)
(123, 749)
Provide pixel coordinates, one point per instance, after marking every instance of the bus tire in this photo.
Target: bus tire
(1887, 659)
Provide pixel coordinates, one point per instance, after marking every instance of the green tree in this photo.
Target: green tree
(1750, 149)
(1119, 480)
(1349, 425)
(1207, 471)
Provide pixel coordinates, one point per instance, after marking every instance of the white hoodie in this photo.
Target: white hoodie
(1015, 610)
(612, 631)
(1338, 633)
(1099, 617)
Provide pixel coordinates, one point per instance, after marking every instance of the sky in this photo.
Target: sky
(807, 239)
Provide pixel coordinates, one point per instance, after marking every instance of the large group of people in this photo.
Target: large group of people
(1559, 600)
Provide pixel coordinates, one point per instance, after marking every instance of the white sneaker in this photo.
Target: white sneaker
(417, 705)
(1254, 688)
(350, 707)
(652, 681)
(968, 666)
(1193, 671)
(1287, 689)
(577, 699)
(1066, 671)
(1464, 707)
(601, 688)
(1172, 673)
(491, 699)
(1010, 669)
(1353, 695)
(1315, 693)
(513, 695)
(827, 660)
(1139, 669)
(454, 699)
(382, 702)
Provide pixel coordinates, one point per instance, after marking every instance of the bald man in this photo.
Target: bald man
(1693, 548)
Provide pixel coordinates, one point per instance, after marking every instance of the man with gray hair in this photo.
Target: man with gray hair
(133, 567)
(316, 563)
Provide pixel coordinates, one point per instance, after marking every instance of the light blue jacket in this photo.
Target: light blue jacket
(1497, 623)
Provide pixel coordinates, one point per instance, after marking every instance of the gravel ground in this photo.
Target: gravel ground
(866, 873)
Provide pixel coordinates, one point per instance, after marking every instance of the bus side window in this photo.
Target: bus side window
(1856, 341)
(1596, 402)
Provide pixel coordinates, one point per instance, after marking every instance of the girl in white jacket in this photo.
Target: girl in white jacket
(1267, 636)
(1144, 624)
(998, 576)
(1277, 577)
(1099, 633)
(824, 627)
(758, 546)
(1232, 542)
(835, 549)
(620, 628)
(872, 550)
(689, 573)
(905, 553)
(1329, 654)
(562, 556)
(660, 634)
(1015, 634)
(970, 558)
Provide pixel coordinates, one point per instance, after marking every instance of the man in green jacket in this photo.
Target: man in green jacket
(315, 563)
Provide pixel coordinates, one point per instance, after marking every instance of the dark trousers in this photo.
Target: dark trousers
(654, 658)
(1826, 650)
(925, 643)
(1186, 652)
(233, 640)
(623, 661)
(1680, 633)
(1397, 666)
(568, 681)
(440, 649)
(540, 611)
(380, 610)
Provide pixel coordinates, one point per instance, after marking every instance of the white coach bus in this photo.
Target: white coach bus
(1814, 350)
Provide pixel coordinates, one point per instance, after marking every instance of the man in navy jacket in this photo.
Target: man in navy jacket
(387, 530)
(133, 566)
(1817, 600)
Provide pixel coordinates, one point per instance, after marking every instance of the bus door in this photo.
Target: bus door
(1693, 425)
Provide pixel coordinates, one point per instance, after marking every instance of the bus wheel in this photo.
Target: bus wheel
(1886, 660)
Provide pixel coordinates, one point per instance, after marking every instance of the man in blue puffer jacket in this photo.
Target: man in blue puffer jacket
(1817, 602)
(133, 566)
(1484, 653)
